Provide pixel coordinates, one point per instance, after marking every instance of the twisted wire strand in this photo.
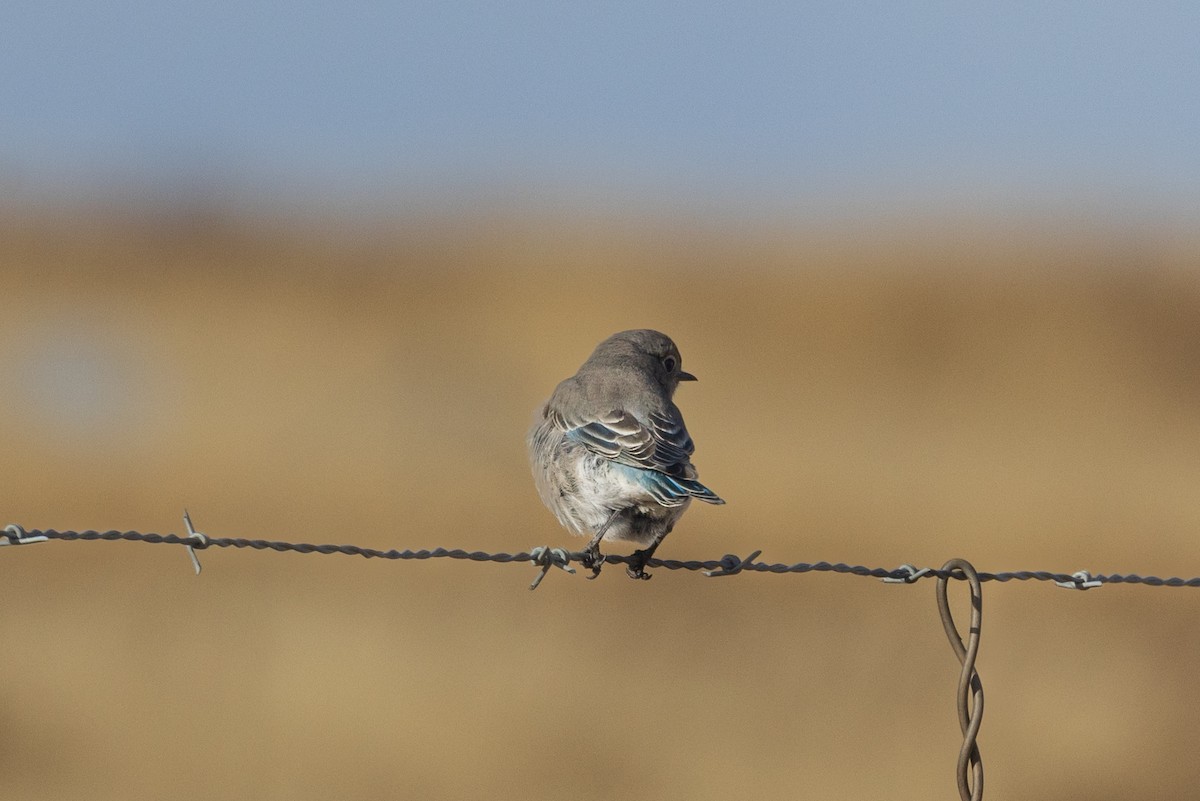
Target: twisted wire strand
(730, 564)
(969, 699)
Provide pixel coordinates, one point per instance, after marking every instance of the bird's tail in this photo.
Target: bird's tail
(697, 490)
(670, 490)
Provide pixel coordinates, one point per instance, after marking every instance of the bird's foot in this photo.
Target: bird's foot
(592, 560)
(636, 568)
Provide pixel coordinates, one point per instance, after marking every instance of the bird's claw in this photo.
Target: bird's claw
(593, 560)
(636, 569)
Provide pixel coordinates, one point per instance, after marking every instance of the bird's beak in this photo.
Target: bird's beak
(682, 376)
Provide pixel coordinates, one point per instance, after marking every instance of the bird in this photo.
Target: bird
(610, 454)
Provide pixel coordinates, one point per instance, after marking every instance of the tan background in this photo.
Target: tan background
(1026, 396)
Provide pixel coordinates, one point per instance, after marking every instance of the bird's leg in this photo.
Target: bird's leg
(592, 558)
(636, 568)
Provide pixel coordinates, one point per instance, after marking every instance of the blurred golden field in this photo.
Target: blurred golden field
(1026, 396)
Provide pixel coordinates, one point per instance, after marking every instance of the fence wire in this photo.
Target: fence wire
(969, 692)
(727, 565)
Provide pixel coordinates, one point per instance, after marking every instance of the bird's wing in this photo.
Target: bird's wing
(658, 448)
(660, 443)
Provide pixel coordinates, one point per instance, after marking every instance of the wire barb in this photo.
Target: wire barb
(1080, 580)
(547, 557)
(200, 540)
(15, 535)
(909, 574)
(731, 565)
(970, 688)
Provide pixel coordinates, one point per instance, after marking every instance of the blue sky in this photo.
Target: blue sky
(762, 103)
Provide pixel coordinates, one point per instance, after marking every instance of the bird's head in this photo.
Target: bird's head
(653, 352)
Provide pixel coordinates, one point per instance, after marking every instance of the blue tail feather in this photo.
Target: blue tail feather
(671, 490)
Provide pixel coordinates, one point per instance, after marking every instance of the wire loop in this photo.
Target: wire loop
(970, 688)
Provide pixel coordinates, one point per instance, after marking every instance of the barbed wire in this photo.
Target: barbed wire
(545, 556)
(969, 692)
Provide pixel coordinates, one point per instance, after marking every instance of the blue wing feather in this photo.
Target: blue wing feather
(656, 452)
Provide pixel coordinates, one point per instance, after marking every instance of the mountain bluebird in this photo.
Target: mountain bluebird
(609, 450)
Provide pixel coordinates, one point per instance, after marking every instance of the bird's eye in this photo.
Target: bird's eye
(670, 363)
